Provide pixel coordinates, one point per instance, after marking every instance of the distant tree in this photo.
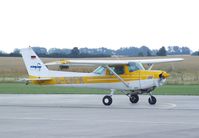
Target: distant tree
(149, 53)
(41, 51)
(96, 51)
(133, 51)
(54, 51)
(3, 54)
(15, 53)
(128, 51)
(176, 50)
(145, 50)
(196, 53)
(104, 52)
(154, 52)
(186, 51)
(75, 52)
(140, 54)
(162, 52)
(59, 51)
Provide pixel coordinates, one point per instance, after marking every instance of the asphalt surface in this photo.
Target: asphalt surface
(84, 116)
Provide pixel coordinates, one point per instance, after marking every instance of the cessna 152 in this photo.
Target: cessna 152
(128, 76)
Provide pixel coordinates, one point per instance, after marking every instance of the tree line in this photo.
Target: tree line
(103, 52)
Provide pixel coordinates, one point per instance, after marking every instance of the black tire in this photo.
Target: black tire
(107, 100)
(134, 98)
(152, 100)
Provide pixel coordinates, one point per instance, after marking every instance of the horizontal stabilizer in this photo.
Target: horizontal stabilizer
(35, 79)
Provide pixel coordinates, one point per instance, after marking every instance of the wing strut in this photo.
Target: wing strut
(119, 78)
(150, 66)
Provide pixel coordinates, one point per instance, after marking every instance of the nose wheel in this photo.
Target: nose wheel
(152, 100)
(107, 100)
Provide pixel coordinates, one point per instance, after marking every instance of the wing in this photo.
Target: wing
(112, 62)
(153, 61)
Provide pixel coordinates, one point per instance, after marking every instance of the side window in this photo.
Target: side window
(118, 69)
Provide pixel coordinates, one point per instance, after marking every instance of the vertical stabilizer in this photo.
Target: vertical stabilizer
(33, 63)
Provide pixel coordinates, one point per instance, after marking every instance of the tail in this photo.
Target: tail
(33, 63)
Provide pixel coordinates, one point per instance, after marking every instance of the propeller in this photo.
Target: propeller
(161, 76)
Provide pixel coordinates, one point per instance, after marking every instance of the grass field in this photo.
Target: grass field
(186, 72)
(20, 88)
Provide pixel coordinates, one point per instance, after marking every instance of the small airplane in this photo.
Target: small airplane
(127, 76)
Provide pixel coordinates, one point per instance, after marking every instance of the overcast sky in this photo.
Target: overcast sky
(98, 23)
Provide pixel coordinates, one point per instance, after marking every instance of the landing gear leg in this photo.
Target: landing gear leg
(107, 99)
(152, 100)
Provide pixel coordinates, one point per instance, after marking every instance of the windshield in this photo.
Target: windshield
(133, 66)
(100, 70)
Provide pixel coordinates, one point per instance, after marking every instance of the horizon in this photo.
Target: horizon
(93, 48)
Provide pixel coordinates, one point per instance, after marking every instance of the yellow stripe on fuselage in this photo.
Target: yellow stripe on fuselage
(130, 76)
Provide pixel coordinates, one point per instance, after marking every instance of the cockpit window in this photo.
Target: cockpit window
(100, 70)
(135, 66)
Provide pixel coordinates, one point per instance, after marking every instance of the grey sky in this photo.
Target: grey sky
(96, 23)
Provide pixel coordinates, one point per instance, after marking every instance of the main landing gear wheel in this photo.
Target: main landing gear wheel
(107, 100)
(134, 98)
(152, 100)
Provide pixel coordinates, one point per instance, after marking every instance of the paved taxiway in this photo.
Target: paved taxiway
(84, 116)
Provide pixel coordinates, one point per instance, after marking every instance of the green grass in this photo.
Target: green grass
(178, 90)
(20, 88)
